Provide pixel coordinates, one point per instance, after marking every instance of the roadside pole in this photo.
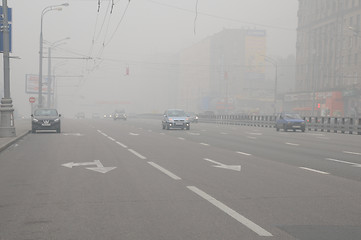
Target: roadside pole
(7, 128)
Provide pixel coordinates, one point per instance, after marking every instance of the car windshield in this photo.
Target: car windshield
(46, 112)
(292, 116)
(176, 113)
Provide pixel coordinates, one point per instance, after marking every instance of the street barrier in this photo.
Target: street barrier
(322, 124)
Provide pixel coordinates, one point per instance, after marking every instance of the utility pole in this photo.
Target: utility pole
(7, 128)
(49, 78)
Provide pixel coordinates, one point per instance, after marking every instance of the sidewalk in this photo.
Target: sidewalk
(22, 127)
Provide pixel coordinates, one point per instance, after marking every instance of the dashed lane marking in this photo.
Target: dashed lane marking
(137, 154)
(165, 171)
(314, 170)
(243, 220)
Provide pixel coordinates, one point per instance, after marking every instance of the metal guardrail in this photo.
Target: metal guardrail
(322, 124)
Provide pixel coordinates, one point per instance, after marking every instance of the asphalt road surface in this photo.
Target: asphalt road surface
(105, 179)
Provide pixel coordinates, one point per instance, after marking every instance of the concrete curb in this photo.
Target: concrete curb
(12, 141)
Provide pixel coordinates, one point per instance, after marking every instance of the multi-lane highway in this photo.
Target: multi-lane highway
(105, 179)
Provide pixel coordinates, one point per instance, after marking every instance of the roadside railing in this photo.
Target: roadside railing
(322, 124)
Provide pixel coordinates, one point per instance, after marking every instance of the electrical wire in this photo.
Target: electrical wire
(195, 19)
(223, 18)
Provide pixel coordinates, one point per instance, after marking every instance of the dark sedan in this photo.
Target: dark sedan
(45, 119)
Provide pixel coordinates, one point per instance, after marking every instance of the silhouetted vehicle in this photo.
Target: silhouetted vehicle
(193, 117)
(45, 119)
(119, 114)
(291, 121)
(175, 118)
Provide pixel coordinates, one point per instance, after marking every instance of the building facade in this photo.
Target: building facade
(224, 72)
(328, 73)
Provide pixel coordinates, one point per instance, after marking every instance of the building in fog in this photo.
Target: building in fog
(328, 74)
(225, 73)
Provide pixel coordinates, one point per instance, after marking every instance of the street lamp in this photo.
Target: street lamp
(274, 63)
(52, 45)
(45, 10)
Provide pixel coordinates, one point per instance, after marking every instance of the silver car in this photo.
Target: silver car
(175, 118)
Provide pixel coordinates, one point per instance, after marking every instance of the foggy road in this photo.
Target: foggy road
(106, 179)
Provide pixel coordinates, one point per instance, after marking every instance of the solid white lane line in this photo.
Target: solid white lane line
(180, 138)
(133, 134)
(314, 170)
(243, 220)
(99, 131)
(110, 138)
(104, 135)
(341, 161)
(354, 153)
(243, 153)
(292, 144)
(137, 154)
(165, 171)
(121, 144)
(204, 144)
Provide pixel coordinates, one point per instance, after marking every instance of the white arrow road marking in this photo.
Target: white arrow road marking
(100, 168)
(221, 165)
(133, 134)
(341, 161)
(241, 219)
(354, 153)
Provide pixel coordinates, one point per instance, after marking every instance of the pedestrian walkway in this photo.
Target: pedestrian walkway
(22, 127)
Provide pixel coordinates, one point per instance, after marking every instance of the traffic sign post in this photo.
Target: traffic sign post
(32, 101)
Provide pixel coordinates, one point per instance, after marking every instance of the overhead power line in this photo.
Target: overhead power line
(223, 18)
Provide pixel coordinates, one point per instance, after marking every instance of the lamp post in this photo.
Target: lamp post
(45, 10)
(53, 45)
(274, 63)
(7, 128)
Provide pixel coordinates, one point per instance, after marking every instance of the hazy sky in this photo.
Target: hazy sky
(150, 30)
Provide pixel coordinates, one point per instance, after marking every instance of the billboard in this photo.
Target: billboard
(32, 83)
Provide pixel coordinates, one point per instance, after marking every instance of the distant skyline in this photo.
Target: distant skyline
(150, 29)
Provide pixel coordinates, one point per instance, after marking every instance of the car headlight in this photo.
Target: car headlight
(35, 120)
(196, 117)
(56, 120)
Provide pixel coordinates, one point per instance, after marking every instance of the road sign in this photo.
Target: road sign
(10, 18)
(31, 99)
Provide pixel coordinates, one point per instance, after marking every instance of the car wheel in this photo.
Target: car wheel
(285, 128)
(303, 130)
(277, 129)
(33, 130)
(167, 126)
(58, 130)
(188, 128)
(294, 130)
